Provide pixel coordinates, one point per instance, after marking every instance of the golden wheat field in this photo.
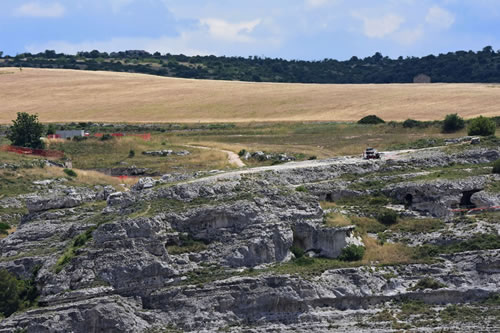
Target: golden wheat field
(67, 95)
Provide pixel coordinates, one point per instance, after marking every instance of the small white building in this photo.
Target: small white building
(69, 134)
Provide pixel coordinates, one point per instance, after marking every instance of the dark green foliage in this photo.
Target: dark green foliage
(242, 152)
(371, 120)
(70, 172)
(460, 66)
(496, 167)
(51, 129)
(131, 153)
(106, 137)
(452, 123)
(301, 188)
(387, 217)
(481, 126)
(26, 131)
(352, 253)
(428, 283)
(16, 294)
(312, 158)
(80, 138)
(3, 228)
(297, 251)
(412, 123)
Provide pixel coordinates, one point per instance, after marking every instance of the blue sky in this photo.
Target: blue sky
(290, 29)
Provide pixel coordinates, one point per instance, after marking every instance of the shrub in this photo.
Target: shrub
(496, 167)
(371, 120)
(4, 227)
(106, 137)
(312, 158)
(242, 152)
(16, 294)
(428, 283)
(410, 123)
(452, 123)
(131, 153)
(297, 251)
(387, 217)
(70, 172)
(301, 188)
(482, 126)
(352, 253)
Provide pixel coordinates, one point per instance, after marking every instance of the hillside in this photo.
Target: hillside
(453, 67)
(72, 96)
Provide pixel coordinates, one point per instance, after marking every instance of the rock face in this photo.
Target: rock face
(215, 252)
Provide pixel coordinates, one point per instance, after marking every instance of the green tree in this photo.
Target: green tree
(9, 293)
(452, 123)
(482, 126)
(51, 129)
(26, 131)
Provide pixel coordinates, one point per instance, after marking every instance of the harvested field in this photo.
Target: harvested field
(68, 95)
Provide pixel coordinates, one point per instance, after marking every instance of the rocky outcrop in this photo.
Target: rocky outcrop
(215, 252)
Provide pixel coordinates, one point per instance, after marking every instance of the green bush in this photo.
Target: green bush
(496, 167)
(131, 153)
(428, 283)
(3, 228)
(387, 217)
(106, 137)
(70, 172)
(452, 123)
(297, 251)
(482, 126)
(371, 120)
(242, 152)
(411, 123)
(301, 188)
(16, 294)
(352, 253)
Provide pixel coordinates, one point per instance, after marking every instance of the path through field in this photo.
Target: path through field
(232, 158)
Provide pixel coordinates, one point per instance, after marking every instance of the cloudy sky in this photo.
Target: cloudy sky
(291, 29)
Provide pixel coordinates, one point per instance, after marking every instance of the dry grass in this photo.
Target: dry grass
(388, 253)
(327, 205)
(85, 177)
(67, 95)
(337, 220)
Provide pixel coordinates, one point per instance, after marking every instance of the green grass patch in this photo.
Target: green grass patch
(418, 225)
(475, 243)
(77, 243)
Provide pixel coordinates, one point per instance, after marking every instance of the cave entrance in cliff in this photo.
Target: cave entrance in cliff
(408, 200)
(465, 201)
(329, 197)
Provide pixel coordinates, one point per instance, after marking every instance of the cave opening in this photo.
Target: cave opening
(465, 201)
(329, 197)
(408, 200)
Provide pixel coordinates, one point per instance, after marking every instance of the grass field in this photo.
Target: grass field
(67, 96)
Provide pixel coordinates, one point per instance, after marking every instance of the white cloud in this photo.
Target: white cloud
(381, 26)
(410, 36)
(116, 5)
(236, 32)
(36, 9)
(440, 17)
(316, 3)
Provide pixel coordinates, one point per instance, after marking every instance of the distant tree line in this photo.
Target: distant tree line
(460, 67)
